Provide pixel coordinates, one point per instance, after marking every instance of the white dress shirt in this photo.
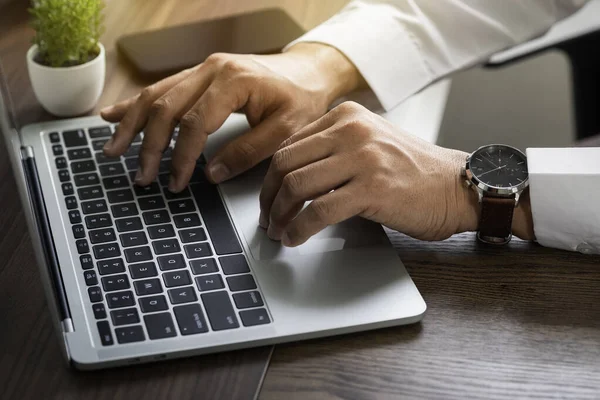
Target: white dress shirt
(401, 46)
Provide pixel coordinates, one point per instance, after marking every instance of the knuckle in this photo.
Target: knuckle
(190, 122)
(147, 95)
(350, 107)
(216, 58)
(281, 160)
(287, 142)
(232, 67)
(160, 108)
(322, 210)
(292, 185)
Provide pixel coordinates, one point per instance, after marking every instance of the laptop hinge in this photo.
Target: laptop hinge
(45, 234)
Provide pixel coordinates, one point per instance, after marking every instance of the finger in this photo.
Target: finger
(304, 184)
(321, 124)
(136, 115)
(116, 112)
(164, 115)
(329, 209)
(206, 116)
(286, 160)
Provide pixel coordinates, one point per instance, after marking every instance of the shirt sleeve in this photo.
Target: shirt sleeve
(401, 46)
(564, 189)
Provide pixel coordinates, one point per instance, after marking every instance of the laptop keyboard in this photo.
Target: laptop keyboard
(156, 264)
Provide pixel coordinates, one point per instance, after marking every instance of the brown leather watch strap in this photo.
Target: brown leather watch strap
(495, 223)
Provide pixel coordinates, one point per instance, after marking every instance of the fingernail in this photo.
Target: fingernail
(285, 239)
(263, 221)
(274, 232)
(107, 109)
(108, 144)
(218, 172)
(172, 184)
(139, 175)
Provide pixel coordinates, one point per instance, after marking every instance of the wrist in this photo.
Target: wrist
(325, 70)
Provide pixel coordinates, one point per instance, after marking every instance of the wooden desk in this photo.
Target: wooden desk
(502, 323)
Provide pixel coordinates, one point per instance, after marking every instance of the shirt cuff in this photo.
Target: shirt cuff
(564, 189)
(380, 48)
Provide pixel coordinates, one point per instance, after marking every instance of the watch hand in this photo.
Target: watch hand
(492, 170)
(490, 161)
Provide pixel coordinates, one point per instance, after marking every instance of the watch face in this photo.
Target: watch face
(499, 166)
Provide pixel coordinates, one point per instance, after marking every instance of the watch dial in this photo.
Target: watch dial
(499, 166)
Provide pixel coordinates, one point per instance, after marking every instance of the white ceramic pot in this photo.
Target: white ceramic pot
(68, 91)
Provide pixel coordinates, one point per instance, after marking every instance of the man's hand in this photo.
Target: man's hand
(278, 93)
(352, 162)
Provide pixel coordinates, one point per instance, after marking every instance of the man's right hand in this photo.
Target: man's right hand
(279, 94)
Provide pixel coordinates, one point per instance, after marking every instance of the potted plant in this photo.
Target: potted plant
(66, 63)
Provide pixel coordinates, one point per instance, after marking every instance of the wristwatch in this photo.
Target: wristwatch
(499, 175)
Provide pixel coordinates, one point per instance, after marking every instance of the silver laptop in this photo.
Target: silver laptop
(138, 274)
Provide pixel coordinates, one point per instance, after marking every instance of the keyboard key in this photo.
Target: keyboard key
(104, 332)
(137, 254)
(82, 246)
(120, 299)
(204, 266)
(57, 150)
(255, 317)
(100, 131)
(90, 192)
(99, 310)
(181, 206)
(219, 310)
(78, 154)
(216, 219)
(160, 326)
(102, 159)
(124, 210)
(98, 221)
(166, 246)
(78, 231)
(102, 235)
(190, 319)
(71, 202)
(77, 167)
(209, 282)
(132, 163)
(63, 175)
(74, 217)
(98, 145)
(187, 220)
(94, 206)
(129, 224)
(170, 262)
(133, 239)
(151, 203)
(192, 235)
(234, 264)
(151, 189)
(95, 294)
(115, 182)
(177, 278)
(87, 179)
(119, 196)
(185, 193)
(54, 138)
(130, 334)
(241, 282)
(148, 286)
(86, 261)
(111, 169)
(248, 299)
(153, 304)
(137, 139)
(133, 150)
(60, 162)
(90, 278)
(112, 266)
(124, 316)
(67, 189)
(156, 217)
(198, 250)
(142, 270)
(74, 138)
(115, 282)
(109, 250)
(182, 295)
(161, 231)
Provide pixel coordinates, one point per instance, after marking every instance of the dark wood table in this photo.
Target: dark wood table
(522, 321)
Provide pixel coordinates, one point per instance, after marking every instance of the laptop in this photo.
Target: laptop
(138, 274)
